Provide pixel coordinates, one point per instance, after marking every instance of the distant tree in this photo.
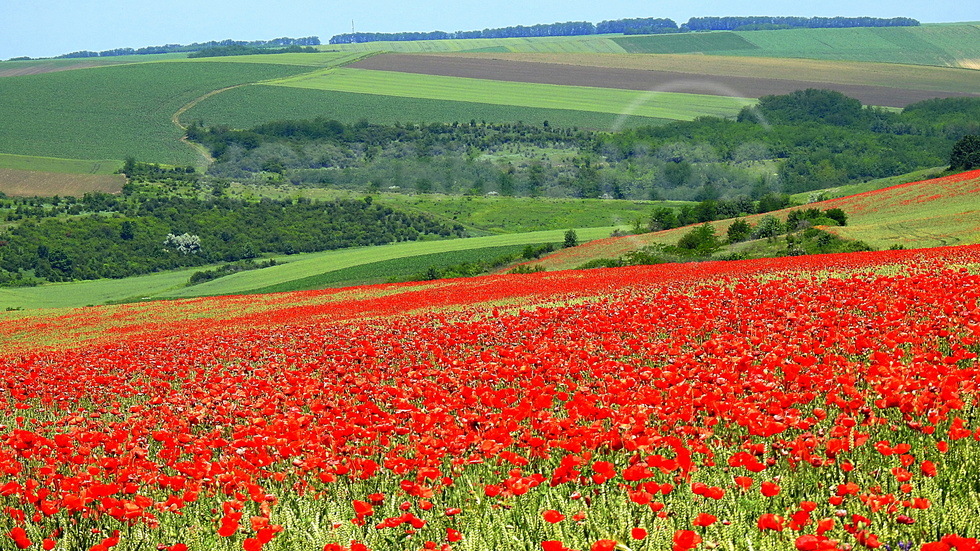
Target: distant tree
(701, 240)
(571, 239)
(739, 231)
(966, 153)
(769, 227)
(837, 215)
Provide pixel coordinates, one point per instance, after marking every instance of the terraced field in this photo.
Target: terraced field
(688, 82)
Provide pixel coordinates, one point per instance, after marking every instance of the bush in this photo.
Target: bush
(966, 153)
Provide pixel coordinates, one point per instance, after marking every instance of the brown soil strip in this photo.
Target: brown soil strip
(29, 183)
(634, 79)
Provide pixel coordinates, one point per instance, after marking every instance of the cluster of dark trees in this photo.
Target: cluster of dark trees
(198, 46)
(804, 141)
(121, 236)
(646, 25)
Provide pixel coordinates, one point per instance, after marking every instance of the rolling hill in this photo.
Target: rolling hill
(927, 213)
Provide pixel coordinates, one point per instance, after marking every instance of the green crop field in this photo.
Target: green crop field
(940, 45)
(167, 285)
(664, 105)
(388, 270)
(684, 43)
(252, 105)
(512, 214)
(592, 43)
(61, 166)
(114, 112)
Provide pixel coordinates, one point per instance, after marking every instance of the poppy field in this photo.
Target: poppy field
(811, 403)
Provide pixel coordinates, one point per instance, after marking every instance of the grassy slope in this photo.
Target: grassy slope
(928, 213)
(664, 105)
(296, 267)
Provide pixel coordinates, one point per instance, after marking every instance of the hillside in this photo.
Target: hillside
(512, 412)
(928, 213)
(946, 45)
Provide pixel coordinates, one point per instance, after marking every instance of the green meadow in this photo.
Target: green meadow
(314, 268)
(662, 105)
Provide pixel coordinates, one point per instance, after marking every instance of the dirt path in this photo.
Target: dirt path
(203, 151)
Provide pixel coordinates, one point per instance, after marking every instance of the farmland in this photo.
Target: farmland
(251, 105)
(953, 45)
(29, 183)
(112, 112)
(687, 406)
(690, 81)
(664, 105)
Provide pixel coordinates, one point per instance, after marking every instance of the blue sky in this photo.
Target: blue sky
(45, 28)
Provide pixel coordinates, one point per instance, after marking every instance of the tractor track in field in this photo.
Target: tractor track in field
(203, 151)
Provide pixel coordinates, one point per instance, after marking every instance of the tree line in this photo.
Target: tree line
(119, 236)
(197, 46)
(647, 25)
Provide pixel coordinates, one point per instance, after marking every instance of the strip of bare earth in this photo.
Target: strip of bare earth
(29, 183)
(492, 68)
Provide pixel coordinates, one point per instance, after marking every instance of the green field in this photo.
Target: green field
(307, 267)
(387, 270)
(513, 214)
(60, 166)
(664, 105)
(249, 106)
(114, 112)
(940, 45)
(684, 43)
